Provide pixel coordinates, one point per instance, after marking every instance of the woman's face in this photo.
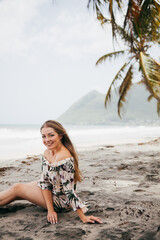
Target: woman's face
(50, 137)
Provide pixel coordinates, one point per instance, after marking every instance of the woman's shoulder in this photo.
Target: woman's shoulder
(63, 155)
(64, 160)
(66, 165)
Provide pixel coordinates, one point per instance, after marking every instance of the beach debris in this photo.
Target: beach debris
(150, 142)
(29, 157)
(25, 162)
(110, 209)
(123, 223)
(139, 190)
(3, 169)
(152, 177)
(109, 146)
(115, 183)
(122, 167)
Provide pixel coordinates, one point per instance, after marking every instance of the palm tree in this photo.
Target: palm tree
(140, 30)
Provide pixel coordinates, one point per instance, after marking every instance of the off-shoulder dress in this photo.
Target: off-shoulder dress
(59, 178)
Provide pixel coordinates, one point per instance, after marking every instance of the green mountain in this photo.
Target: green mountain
(90, 110)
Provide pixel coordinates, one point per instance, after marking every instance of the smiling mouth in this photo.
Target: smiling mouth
(49, 144)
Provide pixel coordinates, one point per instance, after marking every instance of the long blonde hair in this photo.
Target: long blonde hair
(67, 143)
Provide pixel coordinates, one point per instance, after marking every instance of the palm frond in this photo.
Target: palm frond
(108, 96)
(142, 20)
(131, 21)
(109, 55)
(95, 3)
(119, 4)
(150, 20)
(125, 35)
(112, 14)
(139, 29)
(150, 98)
(116, 78)
(144, 84)
(141, 82)
(151, 71)
(112, 17)
(124, 88)
(101, 17)
(99, 5)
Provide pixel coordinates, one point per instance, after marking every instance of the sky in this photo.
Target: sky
(48, 51)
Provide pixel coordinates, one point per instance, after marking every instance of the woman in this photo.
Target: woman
(55, 191)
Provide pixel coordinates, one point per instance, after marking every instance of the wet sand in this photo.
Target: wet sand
(121, 183)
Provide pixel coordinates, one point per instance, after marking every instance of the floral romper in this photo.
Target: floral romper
(59, 178)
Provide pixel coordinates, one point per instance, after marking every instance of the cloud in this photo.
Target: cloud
(15, 16)
(73, 36)
(27, 31)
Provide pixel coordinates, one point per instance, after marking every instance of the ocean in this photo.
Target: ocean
(19, 141)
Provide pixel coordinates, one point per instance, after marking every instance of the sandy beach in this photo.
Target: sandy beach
(121, 183)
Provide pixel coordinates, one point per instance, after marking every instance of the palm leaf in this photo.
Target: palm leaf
(112, 14)
(151, 71)
(150, 20)
(94, 3)
(112, 17)
(125, 35)
(116, 78)
(124, 88)
(150, 98)
(98, 5)
(131, 20)
(142, 82)
(142, 18)
(119, 4)
(139, 29)
(101, 17)
(109, 55)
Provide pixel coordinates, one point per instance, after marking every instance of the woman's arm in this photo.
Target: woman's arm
(67, 180)
(88, 219)
(52, 215)
(46, 188)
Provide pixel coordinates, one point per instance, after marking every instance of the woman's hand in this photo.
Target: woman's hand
(52, 217)
(91, 219)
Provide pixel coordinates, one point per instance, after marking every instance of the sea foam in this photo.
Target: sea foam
(20, 141)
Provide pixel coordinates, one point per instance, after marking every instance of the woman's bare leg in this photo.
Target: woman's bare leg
(29, 191)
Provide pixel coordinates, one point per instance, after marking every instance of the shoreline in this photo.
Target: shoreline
(151, 140)
(20, 142)
(121, 183)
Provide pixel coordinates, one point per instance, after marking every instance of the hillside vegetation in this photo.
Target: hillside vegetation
(90, 110)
